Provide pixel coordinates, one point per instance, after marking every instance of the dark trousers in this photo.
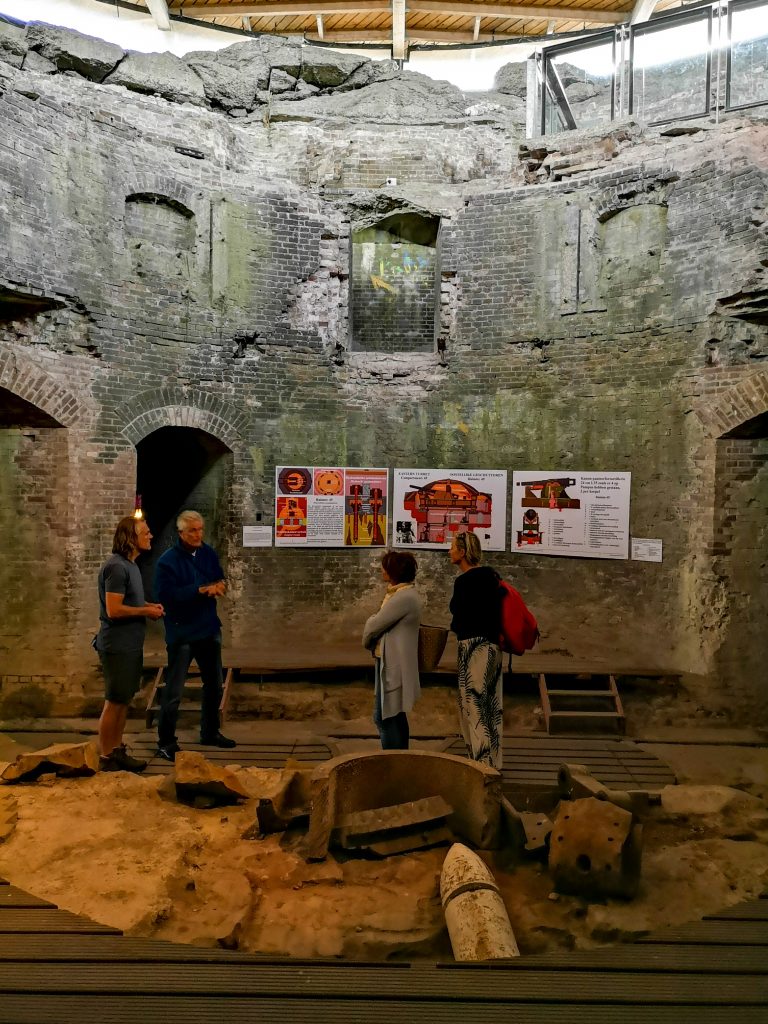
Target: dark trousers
(393, 732)
(207, 654)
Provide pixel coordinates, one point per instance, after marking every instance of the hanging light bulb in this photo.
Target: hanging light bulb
(137, 511)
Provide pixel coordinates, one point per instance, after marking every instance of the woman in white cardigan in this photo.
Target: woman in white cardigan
(392, 634)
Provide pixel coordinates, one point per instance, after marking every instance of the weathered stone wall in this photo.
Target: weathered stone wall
(602, 306)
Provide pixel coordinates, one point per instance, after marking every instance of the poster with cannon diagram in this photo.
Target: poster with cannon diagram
(571, 513)
(330, 506)
(430, 506)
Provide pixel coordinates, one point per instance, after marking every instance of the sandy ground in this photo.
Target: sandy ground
(120, 849)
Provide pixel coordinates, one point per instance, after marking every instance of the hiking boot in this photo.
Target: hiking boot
(218, 740)
(121, 761)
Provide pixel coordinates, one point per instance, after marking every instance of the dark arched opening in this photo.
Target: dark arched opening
(179, 468)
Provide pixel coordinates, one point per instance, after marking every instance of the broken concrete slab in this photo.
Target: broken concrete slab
(34, 61)
(196, 777)
(283, 53)
(64, 759)
(231, 77)
(512, 79)
(361, 782)
(371, 73)
(411, 99)
(13, 44)
(280, 82)
(328, 68)
(68, 50)
(161, 74)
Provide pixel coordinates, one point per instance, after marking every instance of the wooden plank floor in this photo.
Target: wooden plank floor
(617, 763)
(56, 968)
(263, 754)
(528, 760)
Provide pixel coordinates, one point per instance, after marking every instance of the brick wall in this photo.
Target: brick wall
(578, 328)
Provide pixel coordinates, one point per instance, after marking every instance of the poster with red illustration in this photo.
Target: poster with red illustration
(343, 507)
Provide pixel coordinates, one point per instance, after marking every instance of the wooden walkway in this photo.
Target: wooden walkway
(56, 968)
(529, 761)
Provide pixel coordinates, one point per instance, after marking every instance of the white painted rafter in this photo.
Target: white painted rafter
(399, 48)
(159, 11)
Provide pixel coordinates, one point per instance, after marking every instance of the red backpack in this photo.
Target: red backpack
(519, 631)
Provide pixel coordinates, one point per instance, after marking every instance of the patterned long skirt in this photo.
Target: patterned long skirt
(481, 708)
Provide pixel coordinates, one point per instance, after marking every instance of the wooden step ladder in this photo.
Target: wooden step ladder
(193, 686)
(581, 702)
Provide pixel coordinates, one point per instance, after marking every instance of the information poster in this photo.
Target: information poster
(561, 513)
(430, 506)
(330, 506)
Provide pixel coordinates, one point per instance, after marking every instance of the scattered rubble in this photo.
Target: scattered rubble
(62, 759)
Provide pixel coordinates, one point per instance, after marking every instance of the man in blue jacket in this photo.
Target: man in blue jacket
(190, 578)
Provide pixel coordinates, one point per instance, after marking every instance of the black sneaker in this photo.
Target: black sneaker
(169, 752)
(218, 740)
(121, 761)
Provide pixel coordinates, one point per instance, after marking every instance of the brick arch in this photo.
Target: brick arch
(26, 380)
(180, 407)
(149, 184)
(739, 404)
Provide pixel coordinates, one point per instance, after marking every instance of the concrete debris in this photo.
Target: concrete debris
(64, 759)
(328, 68)
(68, 50)
(595, 849)
(288, 804)
(475, 915)
(196, 777)
(160, 73)
(231, 77)
(13, 44)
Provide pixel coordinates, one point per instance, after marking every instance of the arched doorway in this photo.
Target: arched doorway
(179, 468)
(34, 486)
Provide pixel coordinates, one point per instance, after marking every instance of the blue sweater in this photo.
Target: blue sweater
(189, 615)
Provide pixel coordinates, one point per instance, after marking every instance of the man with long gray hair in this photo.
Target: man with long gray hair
(190, 578)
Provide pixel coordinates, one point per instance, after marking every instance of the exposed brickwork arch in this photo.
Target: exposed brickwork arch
(180, 407)
(25, 379)
(738, 405)
(158, 185)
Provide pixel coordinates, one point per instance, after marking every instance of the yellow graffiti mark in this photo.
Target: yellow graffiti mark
(379, 282)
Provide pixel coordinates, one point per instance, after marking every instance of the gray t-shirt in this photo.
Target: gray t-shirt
(119, 575)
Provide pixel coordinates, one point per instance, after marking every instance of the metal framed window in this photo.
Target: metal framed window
(754, 85)
(677, 28)
(556, 105)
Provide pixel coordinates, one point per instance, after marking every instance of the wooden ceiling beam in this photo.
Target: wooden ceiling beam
(518, 11)
(283, 8)
(298, 8)
(424, 35)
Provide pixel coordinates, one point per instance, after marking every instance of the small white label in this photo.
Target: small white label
(645, 550)
(257, 536)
